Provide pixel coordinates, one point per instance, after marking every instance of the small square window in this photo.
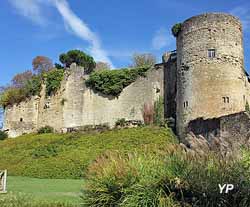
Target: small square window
(211, 53)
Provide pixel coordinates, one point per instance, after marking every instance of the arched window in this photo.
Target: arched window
(185, 104)
(211, 53)
(226, 99)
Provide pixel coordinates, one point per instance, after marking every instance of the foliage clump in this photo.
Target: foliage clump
(176, 29)
(78, 57)
(120, 122)
(247, 108)
(14, 95)
(159, 119)
(45, 130)
(142, 60)
(167, 177)
(3, 135)
(42, 64)
(112, 82)
(27, 84)
(53, 81)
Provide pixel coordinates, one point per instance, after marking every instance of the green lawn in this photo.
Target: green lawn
(51, 190)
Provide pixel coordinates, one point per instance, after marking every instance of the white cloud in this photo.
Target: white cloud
(161, 39)
(244, 14)
(81, 29)
(30, 9)
(33, 9)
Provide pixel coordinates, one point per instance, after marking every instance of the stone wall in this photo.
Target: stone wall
(226, 134)
(21, 118)
(170, 84)
(209, 87)
(75, 105)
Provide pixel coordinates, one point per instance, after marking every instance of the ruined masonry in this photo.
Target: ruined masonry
(203, 84)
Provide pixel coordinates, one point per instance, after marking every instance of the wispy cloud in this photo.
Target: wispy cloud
(33, 9)
(81, 29)
(162, 38)
(244, 14)
(30, 9)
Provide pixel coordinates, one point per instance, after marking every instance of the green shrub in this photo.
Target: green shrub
(167, 177)
(159, 119)
(45, 130)
(112, 82)
(117, 180)
(176, 29)
(33, 86)
(120, 122)
(3, 135)
(12, 95)
(247, 108)
(53, 80)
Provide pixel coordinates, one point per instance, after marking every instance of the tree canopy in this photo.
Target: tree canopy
(142, 60)
(102, 66)
(42, 64)
(78, 57)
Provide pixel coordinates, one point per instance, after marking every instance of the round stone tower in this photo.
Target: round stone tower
(210, 69)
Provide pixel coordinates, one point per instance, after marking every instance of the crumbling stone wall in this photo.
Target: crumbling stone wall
(209, 87)
(226, 134)
(75, 105)
(21, 118)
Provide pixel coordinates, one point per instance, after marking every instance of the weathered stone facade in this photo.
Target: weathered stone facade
(75, 105)
(211, 80)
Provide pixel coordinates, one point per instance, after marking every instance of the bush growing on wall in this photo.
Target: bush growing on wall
(176, 29)
(112, 82)
(45, 130)
(3, 135)
(53, 80)
(120, 122)
(159, 112)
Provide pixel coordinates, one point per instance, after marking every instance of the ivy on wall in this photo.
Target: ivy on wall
(53, 81)
(15, 95)
(112, 82)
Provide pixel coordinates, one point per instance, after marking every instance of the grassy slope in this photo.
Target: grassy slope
(50, 190)
(67, 156)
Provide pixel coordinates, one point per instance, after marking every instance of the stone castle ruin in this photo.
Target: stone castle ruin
(204, 85)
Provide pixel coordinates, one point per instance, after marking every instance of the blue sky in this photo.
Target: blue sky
(110, 30)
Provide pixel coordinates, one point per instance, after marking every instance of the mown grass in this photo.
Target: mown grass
(68, 155)
(49, 190)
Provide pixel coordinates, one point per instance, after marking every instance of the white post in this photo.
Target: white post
(3, 181)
